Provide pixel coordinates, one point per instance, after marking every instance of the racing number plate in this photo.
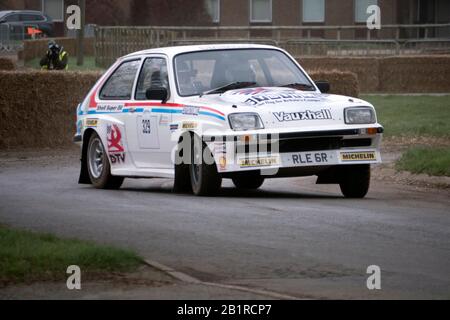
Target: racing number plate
(301, 159)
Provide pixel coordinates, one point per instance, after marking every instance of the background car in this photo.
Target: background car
(22, 19)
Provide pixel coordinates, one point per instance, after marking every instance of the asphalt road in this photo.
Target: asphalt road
(291, 237)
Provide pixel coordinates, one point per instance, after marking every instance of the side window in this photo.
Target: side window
(120, 85)
(153, 75)
(12, 18)
(30, 17)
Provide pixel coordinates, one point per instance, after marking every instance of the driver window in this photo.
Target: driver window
(153, 75)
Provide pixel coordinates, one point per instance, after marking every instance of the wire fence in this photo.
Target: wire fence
(356, 40)
(11, 38)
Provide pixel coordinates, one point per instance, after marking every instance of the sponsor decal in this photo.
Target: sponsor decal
(265, 96)
(259, 162)
(358, 156)
(114, 138)
(308, 115)
(110, 108)
(173, 127)
(91, 123)
(117, 158)
(191, 111)
(223, 163)
(190, 125)
(115, 146)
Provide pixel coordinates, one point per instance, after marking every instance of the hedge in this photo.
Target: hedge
(403, 74)
(7, 64)
(37, 109)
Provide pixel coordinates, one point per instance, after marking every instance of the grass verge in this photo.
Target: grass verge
(27, 256)
(413, 116)
(89, 64)
(432, 161)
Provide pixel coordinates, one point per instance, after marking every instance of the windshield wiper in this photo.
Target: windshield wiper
(228, 87)
(309, 87)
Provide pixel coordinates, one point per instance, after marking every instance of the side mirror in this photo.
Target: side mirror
(157, 93)
(324, 86)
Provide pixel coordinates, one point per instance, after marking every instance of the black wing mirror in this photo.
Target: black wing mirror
(324, 86)
(158, 94)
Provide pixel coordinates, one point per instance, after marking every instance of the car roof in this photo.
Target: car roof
(5, 12)
(173, 51)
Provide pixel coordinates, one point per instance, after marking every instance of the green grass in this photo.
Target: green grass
(27, 256)
(413, 116)
(434, 161)
(89, 64)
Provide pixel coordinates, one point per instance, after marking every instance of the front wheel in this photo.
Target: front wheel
(98, 166)
(355, 181)
(205, 180)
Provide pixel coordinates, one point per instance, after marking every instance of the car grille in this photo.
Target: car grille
(309, 144)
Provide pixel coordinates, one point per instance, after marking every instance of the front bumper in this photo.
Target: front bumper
(270, 152)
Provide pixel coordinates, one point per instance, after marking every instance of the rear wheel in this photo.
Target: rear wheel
(355, 181)
(205, 180)
(99, 167)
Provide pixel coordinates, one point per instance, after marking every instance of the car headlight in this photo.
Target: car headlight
(245, 121)
(360, 115)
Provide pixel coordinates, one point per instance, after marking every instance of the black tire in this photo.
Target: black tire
(102, 178)
(355, 181)
(205, 181)
(248, 182)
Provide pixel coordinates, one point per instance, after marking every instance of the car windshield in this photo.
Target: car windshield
(217, 71)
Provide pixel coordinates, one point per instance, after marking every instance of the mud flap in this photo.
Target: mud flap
(84, 173)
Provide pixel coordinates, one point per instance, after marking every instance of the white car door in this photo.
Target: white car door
(153, 118)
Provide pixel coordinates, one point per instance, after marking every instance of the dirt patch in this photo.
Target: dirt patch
(145, 278)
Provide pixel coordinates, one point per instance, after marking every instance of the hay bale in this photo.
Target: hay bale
(38, 108)
(415, 74)
(7, 64)
(366, 69)
(343, 83)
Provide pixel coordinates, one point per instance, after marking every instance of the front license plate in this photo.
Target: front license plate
(310, 159)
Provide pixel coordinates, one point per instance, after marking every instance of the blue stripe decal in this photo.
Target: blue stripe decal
(166, 111)
(203, 113)
(171, 111)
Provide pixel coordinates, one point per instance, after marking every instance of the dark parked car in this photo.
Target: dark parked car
(22, 19)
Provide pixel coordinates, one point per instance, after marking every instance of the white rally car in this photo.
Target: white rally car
(200, 114)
